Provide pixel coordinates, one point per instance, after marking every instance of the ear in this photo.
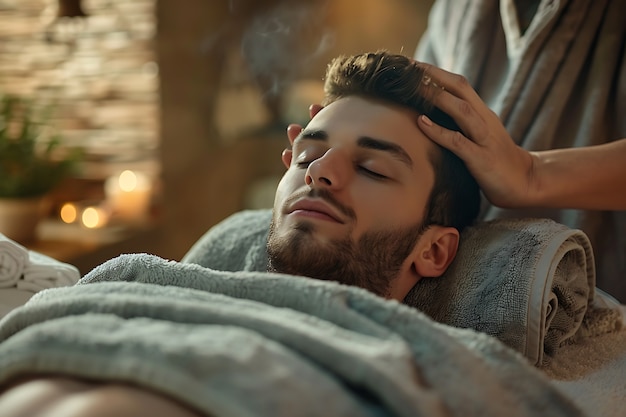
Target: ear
(435, 251)
(431, 256)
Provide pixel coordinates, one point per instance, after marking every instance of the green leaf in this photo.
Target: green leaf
(29, 163)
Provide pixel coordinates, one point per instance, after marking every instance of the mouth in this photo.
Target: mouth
(315, 209)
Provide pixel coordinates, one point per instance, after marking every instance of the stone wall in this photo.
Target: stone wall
(100, 72)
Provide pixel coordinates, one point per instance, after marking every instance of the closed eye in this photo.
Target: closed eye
(371, 174)
(359, 168)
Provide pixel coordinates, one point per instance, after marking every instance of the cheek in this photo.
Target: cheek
(388, 207)
(279, 195)
(287, 185)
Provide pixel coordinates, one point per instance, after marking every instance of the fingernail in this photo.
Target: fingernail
(426, 120)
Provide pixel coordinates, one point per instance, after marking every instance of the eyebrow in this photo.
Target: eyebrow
(364, 142)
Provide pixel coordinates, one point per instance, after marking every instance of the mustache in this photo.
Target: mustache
(325, 195)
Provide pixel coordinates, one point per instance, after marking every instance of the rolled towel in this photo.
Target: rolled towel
(43, 272)
(13, 260)
(528, 282)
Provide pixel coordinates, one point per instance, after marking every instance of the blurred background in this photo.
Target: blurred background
(178, 109)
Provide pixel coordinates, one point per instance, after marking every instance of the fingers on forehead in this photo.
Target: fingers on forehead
(441, 76)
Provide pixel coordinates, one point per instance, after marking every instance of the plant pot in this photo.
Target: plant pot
(19, 217)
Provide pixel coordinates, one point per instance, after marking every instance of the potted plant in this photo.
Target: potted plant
(32, 163)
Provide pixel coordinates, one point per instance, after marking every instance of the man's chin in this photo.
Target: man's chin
(304, 226)
(290, 251)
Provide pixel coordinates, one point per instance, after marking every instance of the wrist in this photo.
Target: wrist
(535, 180)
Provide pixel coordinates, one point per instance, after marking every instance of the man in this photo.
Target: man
(367, 200)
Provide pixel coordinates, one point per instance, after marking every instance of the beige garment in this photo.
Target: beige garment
(560, 83)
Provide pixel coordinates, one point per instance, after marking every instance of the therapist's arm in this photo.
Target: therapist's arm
(592, 177)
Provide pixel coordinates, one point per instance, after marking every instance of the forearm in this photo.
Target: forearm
(592, 178)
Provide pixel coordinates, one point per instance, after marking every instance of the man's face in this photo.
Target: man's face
(350, 205)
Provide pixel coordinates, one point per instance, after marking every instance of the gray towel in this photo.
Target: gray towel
(259, 344)
(528, 282)
(235, 244)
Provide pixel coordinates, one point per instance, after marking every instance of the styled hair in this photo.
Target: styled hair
(454, 200)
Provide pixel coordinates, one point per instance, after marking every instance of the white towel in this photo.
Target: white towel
(43, 272)
(32, 271)
(13, 260)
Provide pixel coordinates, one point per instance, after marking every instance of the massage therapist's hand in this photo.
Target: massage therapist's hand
(592, 177)
(504, 171)
(296, 128)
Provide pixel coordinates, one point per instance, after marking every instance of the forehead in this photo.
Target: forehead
(352, 117)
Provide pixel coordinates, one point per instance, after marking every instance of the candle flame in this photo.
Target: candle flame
(128, 180)
(92, 218)
(68, 213)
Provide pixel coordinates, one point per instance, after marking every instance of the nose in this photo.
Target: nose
(326, 171)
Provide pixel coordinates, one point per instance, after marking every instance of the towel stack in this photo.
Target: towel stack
(32, 271)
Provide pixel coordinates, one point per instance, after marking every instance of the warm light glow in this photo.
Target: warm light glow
(128, 181)
(93, 217)
(68, 213)
(128, 195)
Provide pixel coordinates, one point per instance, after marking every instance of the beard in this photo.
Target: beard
(372, 262)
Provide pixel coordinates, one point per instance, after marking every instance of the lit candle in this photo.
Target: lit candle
(128, 195)
(69, 213)
(94, 217)
(89, 214)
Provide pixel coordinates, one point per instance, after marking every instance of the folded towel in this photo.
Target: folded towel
(529, 282)
(13, 260)
(30, 270)
(43, 272)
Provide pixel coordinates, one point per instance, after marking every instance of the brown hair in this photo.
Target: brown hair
(455, 199)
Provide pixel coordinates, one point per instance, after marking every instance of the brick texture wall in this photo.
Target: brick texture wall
(100, 72)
